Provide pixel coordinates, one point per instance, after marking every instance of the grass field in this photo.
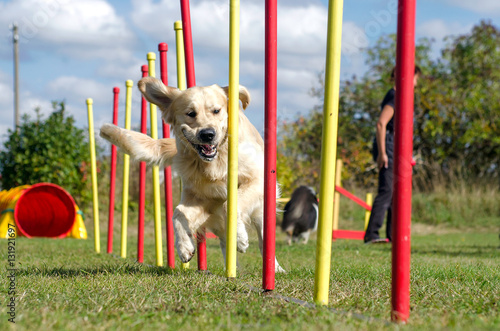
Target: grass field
(64, 285)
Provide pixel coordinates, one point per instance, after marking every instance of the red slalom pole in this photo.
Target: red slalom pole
(163, 48)
(270, 147)
(189, 57)
(403, 148)
(112, 178)
(142, 177)
(188, 43)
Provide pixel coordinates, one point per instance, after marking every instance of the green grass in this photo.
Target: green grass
(64, 285)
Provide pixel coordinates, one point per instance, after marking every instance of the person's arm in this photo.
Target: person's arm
(385, 116)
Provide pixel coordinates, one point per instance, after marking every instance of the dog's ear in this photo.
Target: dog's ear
(158, 93)
(244, 95)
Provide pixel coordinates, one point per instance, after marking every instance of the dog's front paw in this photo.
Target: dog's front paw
(185, 250)
(110, 132)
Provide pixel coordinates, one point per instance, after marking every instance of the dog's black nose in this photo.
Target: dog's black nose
(207, 135)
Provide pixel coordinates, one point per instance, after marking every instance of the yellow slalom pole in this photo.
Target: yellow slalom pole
(181, 65)
(234, 108)
(156, 170)
(181, 76)
(126, 171)
(328, 152)
(336, 202)
(95, 200)
(369, 201)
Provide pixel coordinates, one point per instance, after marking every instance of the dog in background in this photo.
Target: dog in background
(301, 215)
(199, 153)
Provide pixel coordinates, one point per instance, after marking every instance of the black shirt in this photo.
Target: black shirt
(389, 99)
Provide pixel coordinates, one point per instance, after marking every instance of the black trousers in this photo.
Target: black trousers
(381, 205)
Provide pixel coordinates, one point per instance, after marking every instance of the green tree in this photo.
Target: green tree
(51, 150)
(457, 115)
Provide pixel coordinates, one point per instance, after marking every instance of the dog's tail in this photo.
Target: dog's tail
(140, 146)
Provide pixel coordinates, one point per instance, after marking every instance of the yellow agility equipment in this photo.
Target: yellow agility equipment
(156, 170)
(126, 171)
(95, 199)
(233, 118)
(181, 76)
(336, 202)
(40, 210)
(328, 152)
(369, 202)
(181, 65)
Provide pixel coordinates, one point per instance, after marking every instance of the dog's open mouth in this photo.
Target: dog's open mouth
(207, 152)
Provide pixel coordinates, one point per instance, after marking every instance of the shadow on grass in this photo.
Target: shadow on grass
(111, 269)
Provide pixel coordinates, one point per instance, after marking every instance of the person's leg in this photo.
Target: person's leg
(380, 205)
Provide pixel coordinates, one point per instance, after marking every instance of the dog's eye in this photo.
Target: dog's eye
(216, 111)
(191, 114)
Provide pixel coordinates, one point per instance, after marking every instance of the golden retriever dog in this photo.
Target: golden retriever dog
(199, 153)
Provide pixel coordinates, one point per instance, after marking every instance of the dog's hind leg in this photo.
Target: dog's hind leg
(140, 146)
(241, 236)
(305, 236)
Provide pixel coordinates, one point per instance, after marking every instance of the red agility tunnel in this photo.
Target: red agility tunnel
(44, 210)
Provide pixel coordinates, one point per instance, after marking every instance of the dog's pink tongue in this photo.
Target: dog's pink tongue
(207, 149)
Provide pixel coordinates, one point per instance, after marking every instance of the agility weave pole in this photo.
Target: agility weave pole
(328, 152)
(126, 171)
(181, 74)
(112, 176)
(163, 48)
(151, 57)
(403, 149)
(339, 190)
(270, 147)
(232, 129)
(95, 199)
(142, 178)
(191, 81)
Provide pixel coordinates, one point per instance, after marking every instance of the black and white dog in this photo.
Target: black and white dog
(301, 215)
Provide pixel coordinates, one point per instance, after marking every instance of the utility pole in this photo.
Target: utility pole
(15, 40)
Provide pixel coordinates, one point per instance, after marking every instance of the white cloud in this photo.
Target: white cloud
(73, 87)
(302, 32)
(82, 29)
(489, 7)
(438, 29)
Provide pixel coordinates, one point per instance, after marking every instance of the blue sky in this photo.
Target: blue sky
(75, 49)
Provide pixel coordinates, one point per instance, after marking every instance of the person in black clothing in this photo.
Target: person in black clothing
(383, 155)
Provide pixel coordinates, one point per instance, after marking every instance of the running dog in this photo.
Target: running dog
(301, 215)
(199, 153)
